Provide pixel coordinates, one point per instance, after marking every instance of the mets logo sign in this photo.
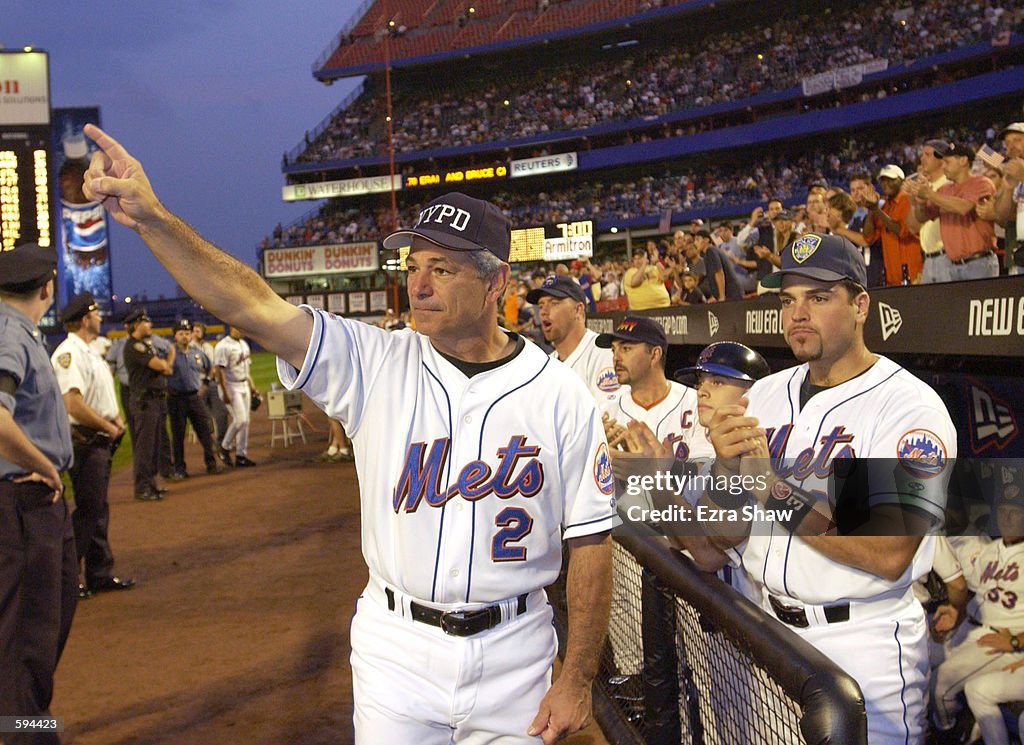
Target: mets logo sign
(606, 381)
(603, 470)
(805, 246)
(922, 453)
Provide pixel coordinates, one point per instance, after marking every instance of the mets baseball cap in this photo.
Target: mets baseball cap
(26, 267)
(556, 286)
(941, 147)
(635, 329)
(892, 171)
(139, 314)
(77, 307)
(1015, 127)
(461, 223)
(826, 258)
(729, 359)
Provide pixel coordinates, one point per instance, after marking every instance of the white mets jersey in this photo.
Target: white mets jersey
(234, 356)
(883, 415)
(594, 366)
(467, 485)
(673, 416)
(995, 573)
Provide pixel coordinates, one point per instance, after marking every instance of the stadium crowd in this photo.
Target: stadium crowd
(713, 68)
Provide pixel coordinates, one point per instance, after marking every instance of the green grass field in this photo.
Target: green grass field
(264, 372)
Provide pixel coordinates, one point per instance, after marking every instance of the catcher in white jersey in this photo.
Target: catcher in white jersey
(850, 594)
(501, 455)
(983, 664)
(233, 359)
(563, 319)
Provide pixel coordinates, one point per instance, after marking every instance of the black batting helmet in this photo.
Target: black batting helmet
(729, 359)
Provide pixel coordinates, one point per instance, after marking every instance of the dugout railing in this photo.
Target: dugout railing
(691, 661)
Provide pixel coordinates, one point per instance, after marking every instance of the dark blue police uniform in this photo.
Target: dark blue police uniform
(38, 562)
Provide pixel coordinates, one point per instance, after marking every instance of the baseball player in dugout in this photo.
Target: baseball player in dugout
(563, 319)
(38, 564)
(147, 377)
(500, 457)
(858, 452)
(233, 359)
(87, 386)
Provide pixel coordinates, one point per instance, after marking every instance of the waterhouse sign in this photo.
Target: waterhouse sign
(314, 260)
(345, 188)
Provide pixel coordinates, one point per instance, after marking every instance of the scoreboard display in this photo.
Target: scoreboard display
(26, 209)
(25, 187)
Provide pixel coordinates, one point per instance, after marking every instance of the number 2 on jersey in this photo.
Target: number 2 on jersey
(515, 524)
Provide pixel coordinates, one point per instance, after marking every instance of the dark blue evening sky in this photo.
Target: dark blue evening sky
(208, 95)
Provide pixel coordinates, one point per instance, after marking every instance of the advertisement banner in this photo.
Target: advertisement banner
(317, 260)
(84, 255)
(345, 188)
(543, 164)
(24, 88)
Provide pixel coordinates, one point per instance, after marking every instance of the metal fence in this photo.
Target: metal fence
(689, 660)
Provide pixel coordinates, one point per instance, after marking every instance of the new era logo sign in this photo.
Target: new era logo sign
(891, 320)
(992, 421)
(712, 323)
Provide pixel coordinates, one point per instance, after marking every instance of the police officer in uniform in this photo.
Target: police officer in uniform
(210, 391)
(147, 377)
(96, 430)
(184, 404)
(38, 564)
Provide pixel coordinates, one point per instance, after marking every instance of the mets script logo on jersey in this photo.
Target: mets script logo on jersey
(922, 453)
(603, 470)
(813, 461)
(606, 380)
(421, 479)
(805, 246)
(1007, 574)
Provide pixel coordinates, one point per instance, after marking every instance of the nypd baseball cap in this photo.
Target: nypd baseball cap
(635, 329)
(26, 267)
(183, 324)
(556, 286)
(826, 258)
(461, 223)
(139, 314)
(77, 307)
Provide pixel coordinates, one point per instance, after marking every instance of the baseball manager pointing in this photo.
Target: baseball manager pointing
(477, 455)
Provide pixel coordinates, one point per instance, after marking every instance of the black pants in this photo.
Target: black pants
(38, 593)
(149, 415)
(182, 408)
(90, 478)
(218, 411)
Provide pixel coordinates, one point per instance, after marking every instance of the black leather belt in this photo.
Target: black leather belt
(458, 622)
(797, 616)
(972, 257)
(182, 393)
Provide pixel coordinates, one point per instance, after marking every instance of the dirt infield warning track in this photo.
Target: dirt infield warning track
(237, 631)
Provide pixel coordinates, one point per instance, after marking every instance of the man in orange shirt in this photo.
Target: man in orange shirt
(901, 249)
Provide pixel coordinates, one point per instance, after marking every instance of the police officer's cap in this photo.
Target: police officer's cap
(26, 267)
(77, 307)
(183, 324)
(139, 314)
